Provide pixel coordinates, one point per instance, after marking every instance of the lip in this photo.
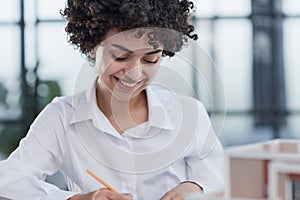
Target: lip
(126, 84)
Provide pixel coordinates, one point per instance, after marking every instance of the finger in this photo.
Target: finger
(172, 196)
(128, 196)
(119, 197)
(177, 197)
(106, 194)
(167, 196)
(102, 194)
(95, 194)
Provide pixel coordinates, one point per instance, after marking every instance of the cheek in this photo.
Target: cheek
(151, 71)
(108, 66)
(104, 62)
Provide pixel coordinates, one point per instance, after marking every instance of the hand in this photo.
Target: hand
(102, 194)
(181, 190)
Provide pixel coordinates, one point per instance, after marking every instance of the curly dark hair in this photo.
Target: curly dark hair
(90, 20)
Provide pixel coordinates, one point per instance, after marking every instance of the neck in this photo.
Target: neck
(122, 114)
(111, 105)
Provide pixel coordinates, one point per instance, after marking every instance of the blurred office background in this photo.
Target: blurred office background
(254, 46)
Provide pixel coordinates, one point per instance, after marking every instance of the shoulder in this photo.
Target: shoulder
(62, 107)
(170, 98)
(68, 101)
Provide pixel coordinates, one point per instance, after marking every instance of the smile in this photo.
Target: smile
(127, 84)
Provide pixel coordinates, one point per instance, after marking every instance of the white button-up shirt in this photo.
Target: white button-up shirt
(71, 134)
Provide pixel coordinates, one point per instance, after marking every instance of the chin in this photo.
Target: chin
(125, 95)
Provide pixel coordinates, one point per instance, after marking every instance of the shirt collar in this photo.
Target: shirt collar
(83, 104)
(158, 115)
(84, 109)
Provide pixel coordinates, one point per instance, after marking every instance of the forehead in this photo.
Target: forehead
(131, 39)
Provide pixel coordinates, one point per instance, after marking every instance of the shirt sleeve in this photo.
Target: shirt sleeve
(206, 166)
(40, 153)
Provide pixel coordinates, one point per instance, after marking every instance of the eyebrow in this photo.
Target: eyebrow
(122, 48)
(154, 52)
(127, 50)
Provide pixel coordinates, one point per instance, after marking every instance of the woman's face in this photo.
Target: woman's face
(126, 64)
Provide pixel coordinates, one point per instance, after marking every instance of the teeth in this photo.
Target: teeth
(127, 84)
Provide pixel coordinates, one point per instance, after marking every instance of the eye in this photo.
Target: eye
(151, 59)
(119, 58)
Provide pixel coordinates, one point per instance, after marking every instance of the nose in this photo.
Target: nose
(134, 71)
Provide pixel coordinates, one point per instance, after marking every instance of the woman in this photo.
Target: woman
(147, 143)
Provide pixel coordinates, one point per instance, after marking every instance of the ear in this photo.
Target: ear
(92, 54)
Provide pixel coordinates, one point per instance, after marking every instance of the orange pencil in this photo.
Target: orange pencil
(101, 180)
